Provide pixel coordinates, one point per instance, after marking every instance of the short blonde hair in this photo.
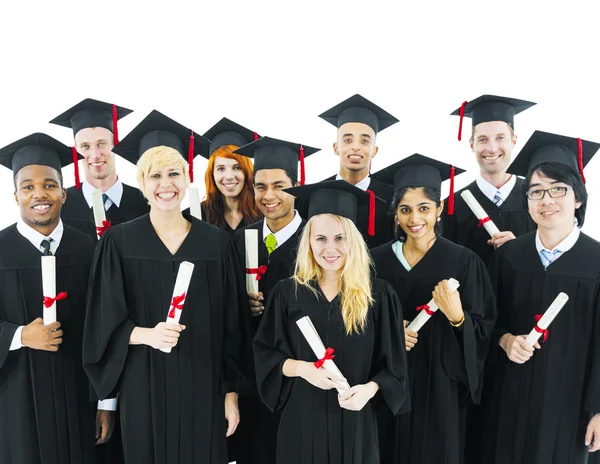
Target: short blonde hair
(157, 158)
(356, 285)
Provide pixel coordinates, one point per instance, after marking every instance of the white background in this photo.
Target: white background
(274, 66)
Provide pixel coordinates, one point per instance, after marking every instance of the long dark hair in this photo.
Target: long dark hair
(432, 194)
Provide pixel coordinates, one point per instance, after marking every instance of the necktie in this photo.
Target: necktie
(104, 198)
(498, 198)
(271, 243)
(46, 246)
(548, 257)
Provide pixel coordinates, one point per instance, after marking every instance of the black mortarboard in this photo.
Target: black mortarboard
(93, 113)
(491, 108)
(227, 132)
(36, 148)
(546, 147)
(337, 197)
(269, 153)
(420, 171)
(157, 130)
(359, 109)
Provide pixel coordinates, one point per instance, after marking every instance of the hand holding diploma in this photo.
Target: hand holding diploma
(358, 396)
(254, 272)
(429, 309)
(182, 283)
(102, 225)
(541, 328)
(517, 349)
(480, 214)
(39, 336)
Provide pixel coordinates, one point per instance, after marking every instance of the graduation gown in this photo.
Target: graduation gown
(77, 213)
(384, 222)
(46, 416)
(462, 227)
(314, 429)
(256, 437)
(171, 405)
(445, 366)
(539, 411)
(227, 228)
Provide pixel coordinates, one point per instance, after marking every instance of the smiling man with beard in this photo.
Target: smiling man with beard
(45, 413)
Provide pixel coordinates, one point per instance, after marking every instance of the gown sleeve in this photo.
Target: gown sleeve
(466, 347)
(389, 365)
(500, 328)
(272, 348)
(592, 388)
(107, 326)
(7, 333)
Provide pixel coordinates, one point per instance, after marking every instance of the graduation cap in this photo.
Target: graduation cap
(36, 148)
(227, 132)
(337, 197)
(420, 171)
(546, 147)
(157, 130)
(270, 153)
(358, 109)
(490, 108)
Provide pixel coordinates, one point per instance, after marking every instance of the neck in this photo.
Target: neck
(353, 177)
(45, 230)
(232, 205)
(102, 184)
(421, 245)
(167, 222)
(275, 225)
(332, 278)
(497, 180)
(552, 237)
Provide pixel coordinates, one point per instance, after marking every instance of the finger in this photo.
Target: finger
(537, 346)
(38, 320)
(589, 435)
(411, 333)
(595, 444)
(182, 326)
(405, 323)
(523, 345)
(230, 427)
(53, 326)
(57, 334)
(98, 429)
(173, 327)
(104, 435)
(56, 341)
(260, 296)
(53, 348)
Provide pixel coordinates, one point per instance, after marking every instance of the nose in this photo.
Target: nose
(39, 193)
(547, 199)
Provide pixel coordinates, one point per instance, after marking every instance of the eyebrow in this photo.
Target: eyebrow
(419, 204)
(553, 182)
(92, 141)
(46, 179)
(352, 135)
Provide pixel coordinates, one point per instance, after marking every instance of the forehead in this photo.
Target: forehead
(541, 179)
(91, 134)
(492, 127)
(326, 224)
(356, 129)
(220, 161)
(37, 172)
(271, 176)
(414, 197)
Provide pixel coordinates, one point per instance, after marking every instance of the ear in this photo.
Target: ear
(471, 144)
(514, 141)
(297, 184)
(375, 152)
(335, 148)
(578, 204)
(16, 198)
(396, 219)
(64, 195)
(441, 208)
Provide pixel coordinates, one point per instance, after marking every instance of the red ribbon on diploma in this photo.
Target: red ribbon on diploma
(483, 221)
(259, 271)
(103, 228)
(329, 354)
(537, 328)
(426, 308)
(177, 303)
(49, 301)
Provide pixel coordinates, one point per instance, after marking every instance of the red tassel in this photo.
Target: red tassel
(302, 173)
(115, 118)
(462, 115)
(76, 167)
(191, 156)
(451, 194)
(580, 157)
(255, 136)
(371, 228)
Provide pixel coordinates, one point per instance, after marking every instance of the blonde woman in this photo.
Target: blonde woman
(175, 407)
(357, 316)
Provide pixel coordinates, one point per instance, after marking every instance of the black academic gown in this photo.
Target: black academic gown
(46, 416)
(171, 405)
(77, 213)
(445, 366)
(256, 437)
(539, 411)
(384, 222)
(462, 227)
(227, 228)
(314, 429)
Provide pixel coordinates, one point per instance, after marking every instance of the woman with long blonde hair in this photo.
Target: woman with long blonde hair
(176, 406)
(229, 202)
(359, 320)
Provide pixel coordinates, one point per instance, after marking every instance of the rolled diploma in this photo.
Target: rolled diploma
(195, 203)
(545, 321)
(251, 237)
(98, 207)
(479, 212)
(423, 317)
(182, 283)
(312, 337)
(49, 287)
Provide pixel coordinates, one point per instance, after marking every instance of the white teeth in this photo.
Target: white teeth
(41, 207)
(416, 228)
(355, 157)
(271, 206)
(229, 185)
(166, 196)
(96, 164)
(491, 158)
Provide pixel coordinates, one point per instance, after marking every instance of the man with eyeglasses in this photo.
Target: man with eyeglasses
(545, 398)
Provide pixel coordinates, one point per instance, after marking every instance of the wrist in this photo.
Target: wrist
(139, 336)
(374, 388)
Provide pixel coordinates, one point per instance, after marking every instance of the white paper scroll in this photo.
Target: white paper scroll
(98, 207)
(49, 287)
(195, 209)
(251, 237)
(479, 212)
(315, 342)
(182, 283)
(423, 316)
(545, 321)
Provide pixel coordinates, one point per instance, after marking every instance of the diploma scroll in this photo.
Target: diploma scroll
(541, 327)
(99, 214)
(251, 237)
(429, 309)
(315, 342)
(49, 288)
(195, 208)
(182, 283)
(480, 213)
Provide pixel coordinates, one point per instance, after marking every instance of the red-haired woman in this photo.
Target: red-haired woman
(229, 202)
